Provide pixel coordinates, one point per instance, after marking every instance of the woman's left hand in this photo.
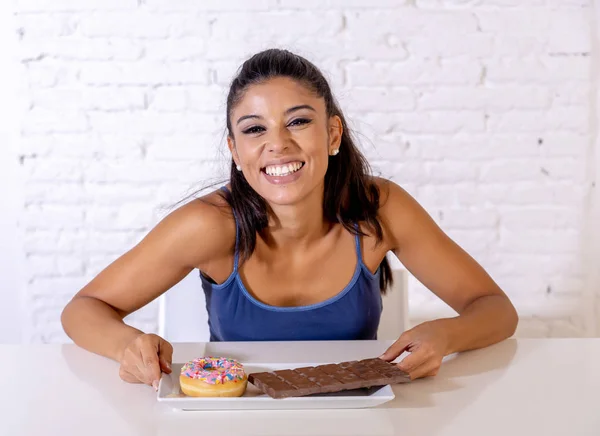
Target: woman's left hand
(427, 344)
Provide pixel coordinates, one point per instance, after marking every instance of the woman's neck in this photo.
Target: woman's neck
(300, 224)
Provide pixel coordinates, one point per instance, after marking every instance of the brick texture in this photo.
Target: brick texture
(480, 109)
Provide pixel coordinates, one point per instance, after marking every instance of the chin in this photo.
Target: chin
(283, 196)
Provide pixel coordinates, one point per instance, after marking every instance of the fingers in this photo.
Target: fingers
(397, 348)
(165, 355)
(128, 376)
(131, 366)
(149, 365)
(421, 362)
(426, 369)
(414, 360)
(144, 359)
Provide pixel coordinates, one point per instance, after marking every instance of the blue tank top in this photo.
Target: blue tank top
(235, 315)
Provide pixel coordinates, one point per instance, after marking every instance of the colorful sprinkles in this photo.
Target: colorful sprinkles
(214, 370)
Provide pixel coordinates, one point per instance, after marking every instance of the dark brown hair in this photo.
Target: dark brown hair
(350, 194)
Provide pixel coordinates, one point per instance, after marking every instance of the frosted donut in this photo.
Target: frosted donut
(213, 377)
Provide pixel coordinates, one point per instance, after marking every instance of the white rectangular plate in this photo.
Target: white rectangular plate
(169, 393)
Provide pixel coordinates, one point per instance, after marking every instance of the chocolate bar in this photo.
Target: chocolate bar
(328, 378)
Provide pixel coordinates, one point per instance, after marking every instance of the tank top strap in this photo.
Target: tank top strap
(357, 245)
(236, 254)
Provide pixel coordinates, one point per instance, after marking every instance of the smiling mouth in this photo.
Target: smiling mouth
(282, 170)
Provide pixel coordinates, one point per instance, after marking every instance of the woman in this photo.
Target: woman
(294, 247)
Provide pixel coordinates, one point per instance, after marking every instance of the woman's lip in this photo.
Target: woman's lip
(282, 180)
(282, 163)
(264, 169)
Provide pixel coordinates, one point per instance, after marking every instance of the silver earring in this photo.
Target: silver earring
(335, 151)
(239, 167)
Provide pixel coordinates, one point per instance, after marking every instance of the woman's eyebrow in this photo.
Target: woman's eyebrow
(297, 108)
(245, 117)
(287, 112)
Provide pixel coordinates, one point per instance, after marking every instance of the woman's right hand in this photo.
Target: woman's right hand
(145, 358)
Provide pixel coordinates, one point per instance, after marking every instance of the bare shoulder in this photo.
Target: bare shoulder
(399, 213)
(201, 230)
(393, 199)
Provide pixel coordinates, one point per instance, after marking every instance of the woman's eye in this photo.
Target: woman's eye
(300, 121)
(253, 129)
(260, 129)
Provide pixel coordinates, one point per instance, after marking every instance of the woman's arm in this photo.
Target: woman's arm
(485, 314)
(187, 238)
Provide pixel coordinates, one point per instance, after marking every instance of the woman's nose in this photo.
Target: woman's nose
(278, 141)
(277, 146)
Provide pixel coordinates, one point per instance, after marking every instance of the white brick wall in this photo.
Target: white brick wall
(482, 109)
(12, 282)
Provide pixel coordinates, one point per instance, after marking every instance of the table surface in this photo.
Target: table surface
(524, 387)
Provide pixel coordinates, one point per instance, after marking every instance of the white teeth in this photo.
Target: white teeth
(283, 170)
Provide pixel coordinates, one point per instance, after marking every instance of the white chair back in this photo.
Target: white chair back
(182, 313)
(394, 319)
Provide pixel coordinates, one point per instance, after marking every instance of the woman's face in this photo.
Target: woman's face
(282, 139)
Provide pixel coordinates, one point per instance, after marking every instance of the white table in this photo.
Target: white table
(517, 387)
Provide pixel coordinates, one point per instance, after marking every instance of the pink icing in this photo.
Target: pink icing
(214, 370)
